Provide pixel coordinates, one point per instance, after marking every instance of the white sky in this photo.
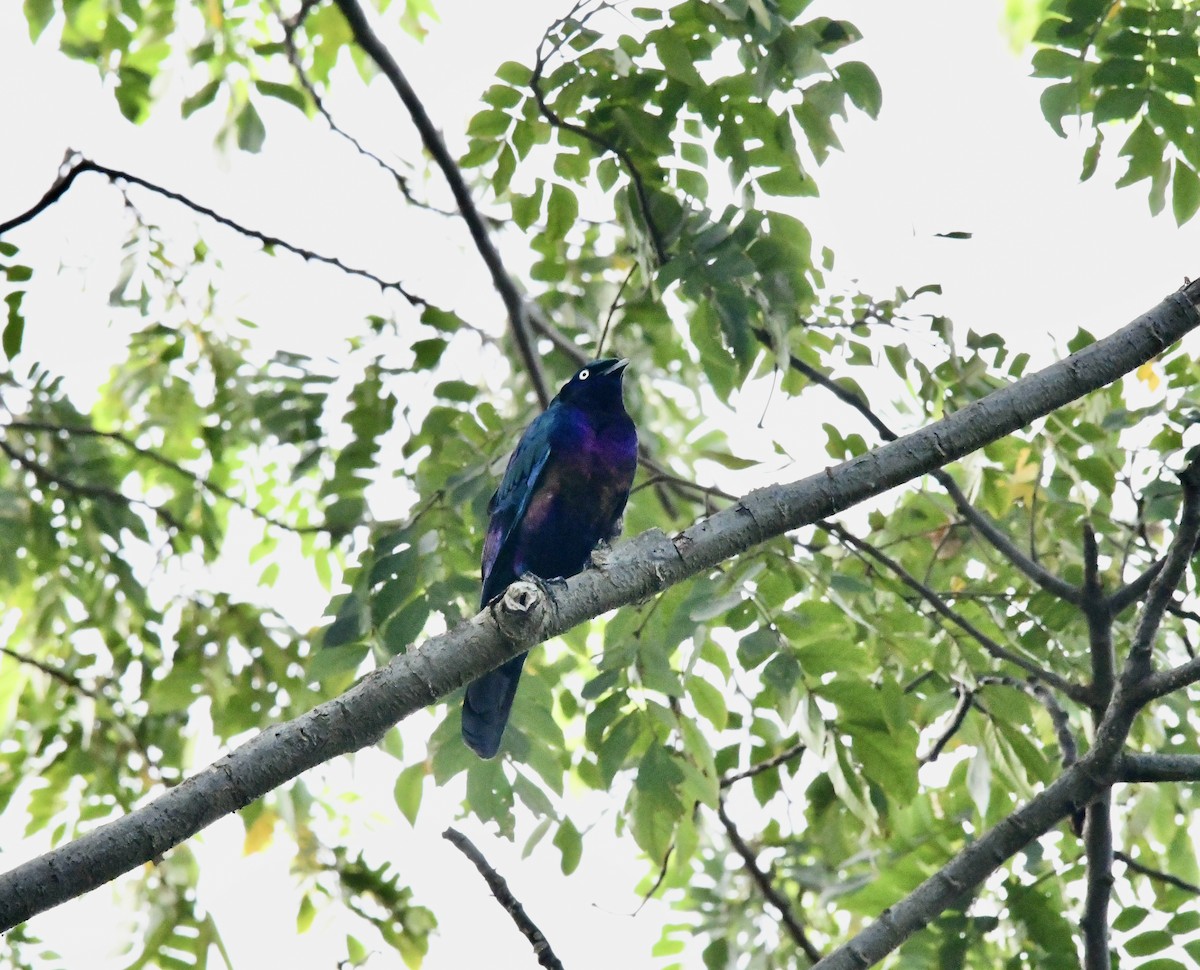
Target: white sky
(960, 145)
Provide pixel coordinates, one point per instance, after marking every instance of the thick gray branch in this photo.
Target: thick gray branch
(1097, 835)
(649, 563)
(1159, 767)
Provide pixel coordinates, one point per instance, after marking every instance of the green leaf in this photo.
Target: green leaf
(709, 701)
(862, 86)
(201, 98)
(1185, 192)
(410, 785)
(1149, 942)
(38, 13)
(570, 843)
(14, 329)
(562, 211)
(284, 92)
(250, 131)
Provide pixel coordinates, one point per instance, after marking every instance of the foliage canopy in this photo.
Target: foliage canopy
(642, 164)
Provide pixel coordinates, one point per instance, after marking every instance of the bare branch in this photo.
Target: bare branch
(293, 55)
(529, 929)
(431, 138)
(770, 764)
(1077, 692)
(765, 886)
(1164, 877)
(638, 569)
(80, 164)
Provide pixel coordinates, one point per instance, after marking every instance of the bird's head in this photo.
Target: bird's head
(596, 384)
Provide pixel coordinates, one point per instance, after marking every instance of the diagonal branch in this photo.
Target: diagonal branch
(499, 887)
(1136, 673)
(770, 764)
(514, 303)
(49, 477)
(80, 164)
(151, 455)
(766, 887)
(1077, 692)
(1164, 877)
(980, 522)
(646, 565)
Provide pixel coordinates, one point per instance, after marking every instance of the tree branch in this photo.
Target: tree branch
(150, 455)
(556, 120)
(48, 477)
(1097, 835)
(529, 929)
(1097, 610)
(638, 569)
(1164, 877)
(763, 881)
(1135, 676)
(431, 138)
(80, 164)
(770, 764)
(981, 523)
(1159, 767)
(1077, 692)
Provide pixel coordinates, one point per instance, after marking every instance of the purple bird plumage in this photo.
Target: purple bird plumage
(563, 491)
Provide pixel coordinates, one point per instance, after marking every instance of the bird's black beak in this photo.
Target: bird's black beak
(616, 368)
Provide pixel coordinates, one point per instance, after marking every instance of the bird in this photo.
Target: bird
(563, 492)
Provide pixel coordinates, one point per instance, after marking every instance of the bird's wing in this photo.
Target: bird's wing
(508, 504)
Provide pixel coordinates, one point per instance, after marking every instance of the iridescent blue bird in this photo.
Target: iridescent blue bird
(564, 490)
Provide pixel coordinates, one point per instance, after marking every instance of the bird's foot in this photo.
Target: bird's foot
(546, 583)
(602, 555)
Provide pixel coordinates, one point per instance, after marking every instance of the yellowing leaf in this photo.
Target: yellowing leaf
(1148, 376)
(261, 833)
(1022, 483)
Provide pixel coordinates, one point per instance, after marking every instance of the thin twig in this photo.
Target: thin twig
(966, 698)
(57, 673)
(770, 764)
(763, 881)
(46, 476)
(1158, 874)
(151, 455)
(81, 164)
(293, 56)
(431, 138)
(612, 309)
(537, 939)
(635, 175)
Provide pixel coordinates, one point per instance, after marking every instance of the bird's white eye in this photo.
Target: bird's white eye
(584, 374)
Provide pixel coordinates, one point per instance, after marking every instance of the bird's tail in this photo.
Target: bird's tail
(487, 705)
